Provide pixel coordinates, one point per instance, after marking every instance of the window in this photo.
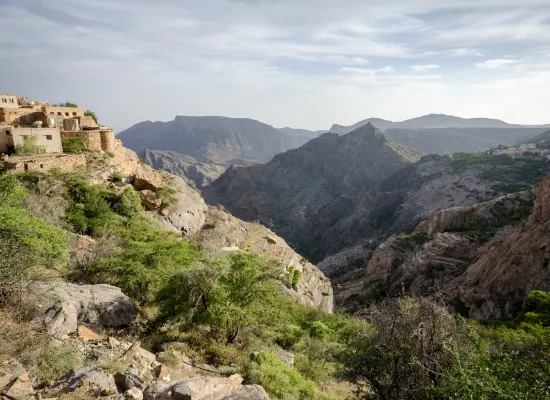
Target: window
(74, 114)
(48, 137)
(52, 113)
(11, 100)
(66, 114)
(59, 113)
(4, 100)
(8, 133)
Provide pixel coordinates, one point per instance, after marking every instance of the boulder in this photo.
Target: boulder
(162, 372)
(128, 380)
(285, 356)
(200, 388)
(133, 394)
(249, 392)
(21, 386)
(188, 214)
(87, 334)
(206, 388)
(149, 199)
(97, 306)
(100, 383)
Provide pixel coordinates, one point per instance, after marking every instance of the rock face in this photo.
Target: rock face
(511, 265)
(288, 193)
(200, 388)
(100, 383)
(483, 278)
(211, 139)
(98, 306)
(196, 174)
(223, 234)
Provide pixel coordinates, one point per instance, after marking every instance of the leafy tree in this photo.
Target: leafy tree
(73, 145)
(226, 298)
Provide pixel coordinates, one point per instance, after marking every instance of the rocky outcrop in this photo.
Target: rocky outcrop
(511, 265)
(199, 388)
(195, 173)
(97, 382)
(225, 234)
(97, 306)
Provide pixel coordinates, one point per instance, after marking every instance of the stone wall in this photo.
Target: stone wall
(88, 122)
(108, 142)
(44, 162)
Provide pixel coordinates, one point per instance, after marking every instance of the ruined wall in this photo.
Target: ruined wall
(88, 122)
(11, 115)
(108, 142)
(44, 162)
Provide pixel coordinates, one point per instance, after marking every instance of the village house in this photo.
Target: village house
(22, 118)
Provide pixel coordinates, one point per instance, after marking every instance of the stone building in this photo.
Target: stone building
(8, 101)
(12, 137)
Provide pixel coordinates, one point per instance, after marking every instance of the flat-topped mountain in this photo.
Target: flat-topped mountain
(287, 193)
(214, 139)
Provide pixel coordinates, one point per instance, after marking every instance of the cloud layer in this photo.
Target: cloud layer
(304, 63)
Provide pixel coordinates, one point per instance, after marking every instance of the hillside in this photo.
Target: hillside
(543, 137)
(289, 192)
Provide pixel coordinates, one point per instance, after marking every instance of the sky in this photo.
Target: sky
(298, 63)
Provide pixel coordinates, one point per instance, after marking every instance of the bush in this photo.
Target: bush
(296, 278)
(318, 330)
(29, 147)
(288, 336)
(73, 145)
(89, 113)
(536, 308)
(167, 195)
(278, 379)
(128, 203)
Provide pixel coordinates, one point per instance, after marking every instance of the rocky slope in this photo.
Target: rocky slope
(483, 258)
(213, 139)
(215, 229)
(288, 193)
(195, 173)
(543, 137)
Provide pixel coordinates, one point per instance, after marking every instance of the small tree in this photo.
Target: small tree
(66, 104)
(73, 145)
(407, 350)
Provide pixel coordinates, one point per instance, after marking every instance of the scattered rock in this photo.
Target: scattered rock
(271, 239)
(113, 342)
(87, 334)
(158, 390)
(249, 392)
(100, 382)
(133, 394)
(285, 356)
(21, 386)
(98, 306)
(162, 372)
(129, 380)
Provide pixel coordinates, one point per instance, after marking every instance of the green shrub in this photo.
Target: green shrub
(12, 193)
(55, 361)
(89, 113)
(116, 177)
(318, 330)
(29, 147)
(73, 144)
(288, 336)
(278, 379)
(536, 308)
(128, 204)
(166, 195)
(296, 278)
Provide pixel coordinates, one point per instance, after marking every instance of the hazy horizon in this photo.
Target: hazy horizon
(302, 64)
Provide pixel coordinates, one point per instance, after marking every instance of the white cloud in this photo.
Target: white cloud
(422, 68)
(498, 63)
(463, 52)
